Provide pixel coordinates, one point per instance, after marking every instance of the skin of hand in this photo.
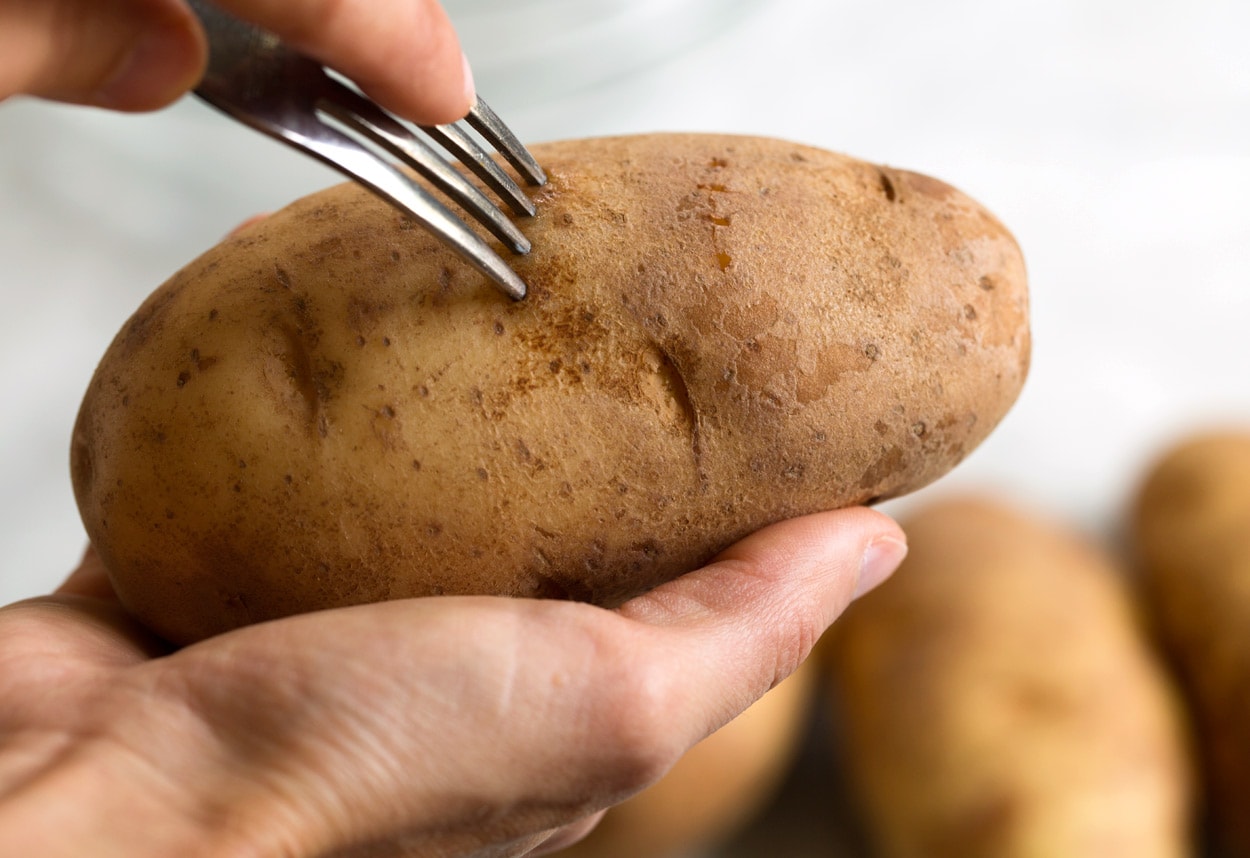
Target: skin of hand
(466, 726)
(137, 55)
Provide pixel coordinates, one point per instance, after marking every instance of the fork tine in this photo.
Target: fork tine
(362, 115)
(467, 150)
(489, 125)
(349, 157)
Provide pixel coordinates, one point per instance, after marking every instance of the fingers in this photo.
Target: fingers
(142, 54)
(126, 55)
(457, 723)
(403, 53)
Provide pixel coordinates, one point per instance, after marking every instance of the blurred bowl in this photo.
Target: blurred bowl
(530, 51)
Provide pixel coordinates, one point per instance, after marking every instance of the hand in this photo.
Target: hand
(443, 726)
(143, 54)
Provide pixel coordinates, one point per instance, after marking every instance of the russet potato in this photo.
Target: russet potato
(1191, 535)
(999, 698)
(330, 408)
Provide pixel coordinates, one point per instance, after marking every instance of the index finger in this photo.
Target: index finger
(403, 53)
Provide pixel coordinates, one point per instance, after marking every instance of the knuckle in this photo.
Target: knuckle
(641, 726)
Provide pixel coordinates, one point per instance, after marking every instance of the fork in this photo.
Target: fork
(257, 79)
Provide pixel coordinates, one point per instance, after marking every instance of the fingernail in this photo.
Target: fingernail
(880, 560)
(470, 91)
(154, 73)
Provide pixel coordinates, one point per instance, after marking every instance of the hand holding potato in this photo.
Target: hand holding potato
(143, 54)
(454, 726)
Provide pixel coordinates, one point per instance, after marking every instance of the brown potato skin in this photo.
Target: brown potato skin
(330, 408)
(717, 788)
(1000, 700)
(1191, 534)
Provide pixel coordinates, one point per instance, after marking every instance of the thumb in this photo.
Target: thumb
(125, 54)
(748, 619)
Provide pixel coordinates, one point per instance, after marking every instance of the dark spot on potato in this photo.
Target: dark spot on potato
(498, 328)
(288, 479)
(562, 590)
(183, 378)
(871, 351)
(280, 274)
(887, 186)
(360, 341)
(648, 548)
(522, 451)
(881, 426)
(970, 312)
(212, 315)
(386, 341)
(238, 487)
(771, 401)
(242, 463)
(718, 163)
(423, 391)
(892, 461)
(919, 429)
(82, 462)
(416, 464)
(555, 365)
(434, 529)
(482, 475)
(388, 411)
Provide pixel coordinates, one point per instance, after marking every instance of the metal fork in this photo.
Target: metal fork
(255, 78)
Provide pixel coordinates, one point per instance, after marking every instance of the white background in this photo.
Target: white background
(1113, 137)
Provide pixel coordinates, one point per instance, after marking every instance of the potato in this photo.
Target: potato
(717, 788)
(1000, 700)
(329, 408)
(1191, 532)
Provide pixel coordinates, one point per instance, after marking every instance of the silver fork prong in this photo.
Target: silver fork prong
(366, 118)
(355, 161)
(260, 81)
(470, 153)
(487, 123)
